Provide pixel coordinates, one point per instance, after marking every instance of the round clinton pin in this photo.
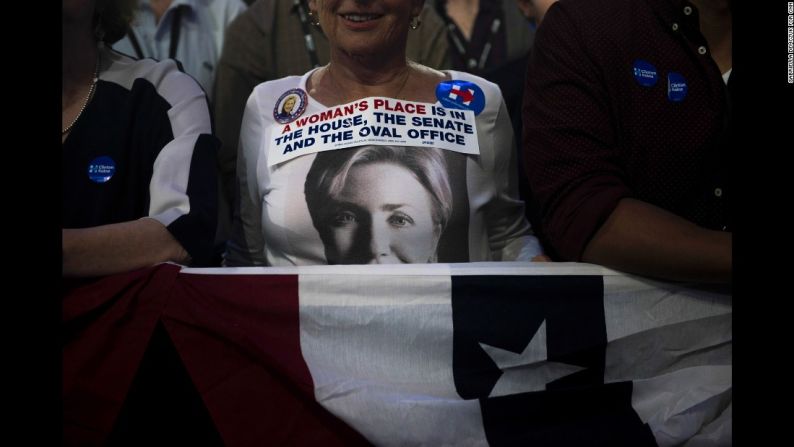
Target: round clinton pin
(101, 169)
(676, 87)
(645, 73)
(290, 105)
(463, 95)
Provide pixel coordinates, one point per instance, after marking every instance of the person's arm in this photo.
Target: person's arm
(121, 247)
(182, 202)
(644, 239)
(571, 157)
(183, 189)
(247, 244)
(509, 232)
(579, 177)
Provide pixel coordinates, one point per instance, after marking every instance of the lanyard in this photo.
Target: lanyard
(458, 40)
(308, 40)
(176, 25)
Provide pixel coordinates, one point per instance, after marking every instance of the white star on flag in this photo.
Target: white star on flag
(529, 370)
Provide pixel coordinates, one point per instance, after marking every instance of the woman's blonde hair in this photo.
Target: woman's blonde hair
(329, 171)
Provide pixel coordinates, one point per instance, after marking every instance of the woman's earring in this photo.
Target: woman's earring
(416, 22)
(313, 19)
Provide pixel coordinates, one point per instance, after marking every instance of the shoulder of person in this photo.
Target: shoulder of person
(258, 17)
(165, 76)
(490, 89)
(594, 22)
(225, 10)
(583, 35)
(491, 92)
(269, 92)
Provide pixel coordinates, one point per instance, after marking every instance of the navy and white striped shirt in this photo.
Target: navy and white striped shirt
(144, 146)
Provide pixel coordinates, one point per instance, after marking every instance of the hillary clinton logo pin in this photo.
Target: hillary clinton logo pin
(101, 169)
(290, 105)
(676, 87)
(645, 73)
(463, 95)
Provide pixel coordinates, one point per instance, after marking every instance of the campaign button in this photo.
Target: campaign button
(645, 73)
(101, 169)
(462, 95)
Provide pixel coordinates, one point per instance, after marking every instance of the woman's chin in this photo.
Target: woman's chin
(363, 51)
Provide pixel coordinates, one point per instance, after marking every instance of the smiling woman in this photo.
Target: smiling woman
(367, 51)
(377, 203)
(363, 28)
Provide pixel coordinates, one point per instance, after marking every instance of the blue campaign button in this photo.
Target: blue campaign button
(463, 95)
(645, 73)
(290, 105)
(101, 169)
(676, 87)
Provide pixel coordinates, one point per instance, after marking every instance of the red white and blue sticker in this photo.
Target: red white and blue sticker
(462, 95)
(101, 169)
(290, 105)
(375, 120)
(645, 73)
(676, 87)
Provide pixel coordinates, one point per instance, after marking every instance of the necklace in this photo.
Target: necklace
(87, 98)
(402, 86)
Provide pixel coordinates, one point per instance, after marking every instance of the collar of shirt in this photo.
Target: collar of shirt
(157, 29)
(678, 15)
(681, 17)
(146, 6)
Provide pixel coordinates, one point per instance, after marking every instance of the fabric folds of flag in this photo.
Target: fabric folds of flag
(456, 354)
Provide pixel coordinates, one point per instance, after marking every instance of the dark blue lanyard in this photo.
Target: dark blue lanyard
(308, 40)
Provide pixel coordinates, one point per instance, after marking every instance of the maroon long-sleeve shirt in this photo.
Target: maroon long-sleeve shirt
(623, 100)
